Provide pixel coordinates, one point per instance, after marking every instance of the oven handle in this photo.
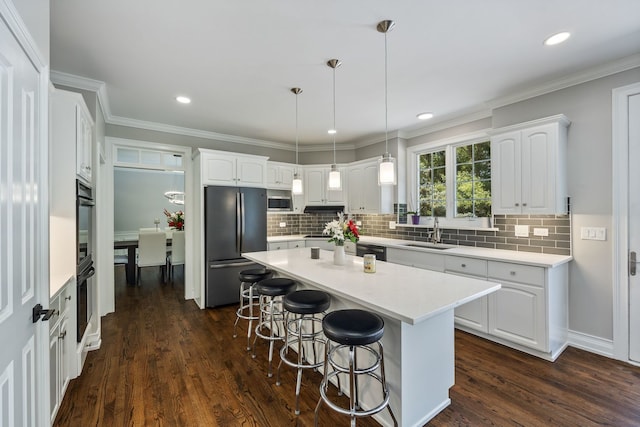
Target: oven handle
(85, 275)
(86, 202)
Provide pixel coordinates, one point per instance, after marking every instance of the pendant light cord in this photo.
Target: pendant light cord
(334, 115)
(386, 121)
(296, 133)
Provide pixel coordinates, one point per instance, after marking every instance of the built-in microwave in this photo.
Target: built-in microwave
(279, 201)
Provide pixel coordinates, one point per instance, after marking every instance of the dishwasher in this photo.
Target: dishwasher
(366, 248)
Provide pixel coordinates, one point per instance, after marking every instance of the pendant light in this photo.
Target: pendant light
(334, 174)
(387, 167)
(296, 184)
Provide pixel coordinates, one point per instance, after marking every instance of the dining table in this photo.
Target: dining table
(131, 244)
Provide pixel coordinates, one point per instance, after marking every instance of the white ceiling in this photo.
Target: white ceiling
(237, 60)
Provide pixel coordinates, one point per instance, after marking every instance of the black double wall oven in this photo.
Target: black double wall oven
(84, 269)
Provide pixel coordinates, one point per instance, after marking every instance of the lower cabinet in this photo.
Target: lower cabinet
(61, 345)
(475, 314)
(289, 244)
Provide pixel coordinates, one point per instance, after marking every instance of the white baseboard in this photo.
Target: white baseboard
(591, 343)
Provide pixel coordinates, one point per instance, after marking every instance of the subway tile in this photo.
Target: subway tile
(536, 249)
(507, 247)
(530, 222)
(556, 251)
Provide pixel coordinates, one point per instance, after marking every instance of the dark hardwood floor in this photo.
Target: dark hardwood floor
(164, 362)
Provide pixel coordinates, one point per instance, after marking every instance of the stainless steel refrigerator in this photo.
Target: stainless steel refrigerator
(235, 222)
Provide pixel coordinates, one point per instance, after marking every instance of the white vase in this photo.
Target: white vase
(339, 257)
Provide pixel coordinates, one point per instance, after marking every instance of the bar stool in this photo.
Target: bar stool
(248, 299)
(270, 293)
(354, 330)
(303, 305)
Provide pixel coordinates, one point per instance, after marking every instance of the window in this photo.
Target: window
(433, 184)
(453, 179)
(473, 180)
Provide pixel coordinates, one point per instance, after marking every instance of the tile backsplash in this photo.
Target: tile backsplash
(558, 227)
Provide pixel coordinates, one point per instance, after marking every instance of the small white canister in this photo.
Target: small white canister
(369, 263)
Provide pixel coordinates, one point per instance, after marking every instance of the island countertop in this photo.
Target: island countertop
(408, 294)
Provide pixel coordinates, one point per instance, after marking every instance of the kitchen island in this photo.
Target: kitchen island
(417, 307)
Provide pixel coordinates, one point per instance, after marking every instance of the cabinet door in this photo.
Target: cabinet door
(279, 176)
(272, 176)
(219, 170)
(371, 189)
(538, 185)
(336, 197)
(314, 187)
(506, 173)
(517, 313)
(474, 314)
(83, 144)
(251, 172)
(355, 189)
(54, 372)
(286, 177)
(65, 352)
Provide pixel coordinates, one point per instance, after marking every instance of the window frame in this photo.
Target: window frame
(449, 145)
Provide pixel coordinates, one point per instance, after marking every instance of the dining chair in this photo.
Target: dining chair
(176, 257)
(152, 251)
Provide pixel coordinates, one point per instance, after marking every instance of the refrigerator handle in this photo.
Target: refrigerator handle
(238, 223)
(241, 221)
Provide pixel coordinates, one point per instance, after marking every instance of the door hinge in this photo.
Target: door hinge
(38, 311)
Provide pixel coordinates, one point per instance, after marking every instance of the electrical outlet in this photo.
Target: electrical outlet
(359, 223)
(283, 224)
(522, 230)
(543, 232)
(392, 225)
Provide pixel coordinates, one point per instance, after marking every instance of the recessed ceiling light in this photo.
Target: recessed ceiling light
(557, 38)
(183, 99)
(332, 131)
(424, 116)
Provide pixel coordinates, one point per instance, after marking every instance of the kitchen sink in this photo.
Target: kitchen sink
(428, 246)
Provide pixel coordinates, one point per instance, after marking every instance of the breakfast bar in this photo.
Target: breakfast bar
(417, 307)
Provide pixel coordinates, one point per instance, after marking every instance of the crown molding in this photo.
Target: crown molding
(593, 73)
(84, 83)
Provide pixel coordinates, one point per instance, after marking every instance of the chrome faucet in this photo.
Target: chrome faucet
(435, 234)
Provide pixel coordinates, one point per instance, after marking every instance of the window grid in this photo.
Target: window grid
(473, 180)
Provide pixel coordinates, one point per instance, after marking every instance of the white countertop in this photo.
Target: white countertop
(519, 257)
(404, 293)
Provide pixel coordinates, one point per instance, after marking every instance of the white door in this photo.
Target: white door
(22, 234)
(634, 225)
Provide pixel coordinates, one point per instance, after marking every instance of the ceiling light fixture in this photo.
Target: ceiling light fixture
(557, 38)
(387, 167)
(425, 116)
(183, 99)
(334, 175)
(296, 184)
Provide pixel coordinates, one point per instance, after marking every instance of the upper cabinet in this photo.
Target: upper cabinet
(280, 175)
(231, 169)
(364, 194)
(528, 167)
(72, 122)
(316, 187)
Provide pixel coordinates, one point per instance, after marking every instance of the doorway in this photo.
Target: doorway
(626, 143)
(155, 158)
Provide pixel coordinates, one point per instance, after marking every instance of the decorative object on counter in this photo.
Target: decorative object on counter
(415, 217)
(157, 223)
(296, 184)
(334, 175)
(387, 167)
(175, 219)
(315, 252)
(340, 230)
(369, 263)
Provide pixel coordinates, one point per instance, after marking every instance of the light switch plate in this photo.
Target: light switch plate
(283, 224)
(542, 232)
(522, 230)
(392, 225)
(593, 233)
(359, 223)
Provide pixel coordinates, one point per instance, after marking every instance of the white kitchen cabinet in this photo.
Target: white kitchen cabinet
(60, 346)
(291, 244)
(232, 169)
(528, 167)
(363, 192)
(316, 187)
(321, 243)
(474, 314)
(280, 175)
(276, 246)
(71, 121)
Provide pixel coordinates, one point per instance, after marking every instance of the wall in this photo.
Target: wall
(590, 174)
(139, 198)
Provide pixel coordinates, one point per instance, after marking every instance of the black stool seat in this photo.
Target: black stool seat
(255, 275)
(307, 302)
(353, 327)
(275, 287)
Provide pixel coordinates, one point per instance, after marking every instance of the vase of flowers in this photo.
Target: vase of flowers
(175, 219)
(341, 230)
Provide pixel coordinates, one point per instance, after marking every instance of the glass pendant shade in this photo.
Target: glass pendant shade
(296, 185)
(387, 170)
(334, 178)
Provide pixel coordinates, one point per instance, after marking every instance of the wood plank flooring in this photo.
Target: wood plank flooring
(164, 362)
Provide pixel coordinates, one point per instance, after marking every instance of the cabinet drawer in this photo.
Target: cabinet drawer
(516, 273)
(295, 244)
(470, 266)
(419, 259)
(54, 304)
(277, 246)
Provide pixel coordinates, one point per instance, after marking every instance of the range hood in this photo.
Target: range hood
(324, 209)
